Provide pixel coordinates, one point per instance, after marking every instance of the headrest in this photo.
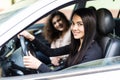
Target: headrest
(105, 21)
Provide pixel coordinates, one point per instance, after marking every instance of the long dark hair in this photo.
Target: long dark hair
(89, 21)
(50, 33)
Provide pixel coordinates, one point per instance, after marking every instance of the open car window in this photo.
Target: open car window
(7, 51)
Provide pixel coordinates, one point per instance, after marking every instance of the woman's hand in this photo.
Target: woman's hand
(31, 62)
(55, 60)
(27, 35)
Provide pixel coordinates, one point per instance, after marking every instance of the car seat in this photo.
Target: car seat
(109, 43)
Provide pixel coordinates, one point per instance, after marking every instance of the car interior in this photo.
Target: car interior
(108, 37)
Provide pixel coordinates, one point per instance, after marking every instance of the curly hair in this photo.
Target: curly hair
(50, 33)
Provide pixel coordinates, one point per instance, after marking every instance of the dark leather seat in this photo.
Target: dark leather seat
(109, 43)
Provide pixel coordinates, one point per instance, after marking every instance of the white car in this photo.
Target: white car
(32, 15)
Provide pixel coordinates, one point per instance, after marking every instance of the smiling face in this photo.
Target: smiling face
(58, 23)
(77, 27)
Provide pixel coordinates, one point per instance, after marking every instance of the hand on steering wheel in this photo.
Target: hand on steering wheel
(30, 61)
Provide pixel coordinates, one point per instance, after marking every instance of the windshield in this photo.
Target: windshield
(14, 9)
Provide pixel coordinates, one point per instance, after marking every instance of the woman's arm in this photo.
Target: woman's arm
(33, 63)
(43, 48)
(48, 51)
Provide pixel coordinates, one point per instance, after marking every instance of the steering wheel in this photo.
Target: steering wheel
(14, 64)
(27, 47)
(23, 46)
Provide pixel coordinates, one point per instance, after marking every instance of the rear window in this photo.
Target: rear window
(112, 5)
